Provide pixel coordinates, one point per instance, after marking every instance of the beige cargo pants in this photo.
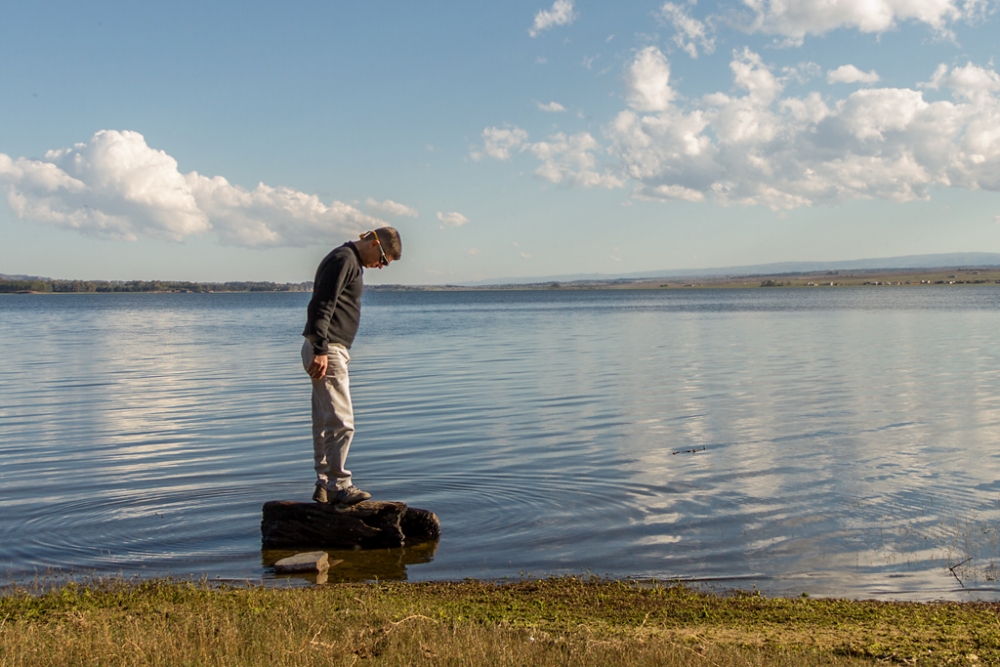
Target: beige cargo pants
(332, 418)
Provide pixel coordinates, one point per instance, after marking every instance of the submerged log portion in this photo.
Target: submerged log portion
(368, 525)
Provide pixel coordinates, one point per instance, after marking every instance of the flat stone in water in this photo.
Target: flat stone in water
(310, 561)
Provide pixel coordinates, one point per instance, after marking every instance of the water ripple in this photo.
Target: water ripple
(840, 442)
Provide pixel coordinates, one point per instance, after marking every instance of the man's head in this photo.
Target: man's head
(379, 247)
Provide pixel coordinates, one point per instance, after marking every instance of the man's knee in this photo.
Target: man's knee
(340, 432)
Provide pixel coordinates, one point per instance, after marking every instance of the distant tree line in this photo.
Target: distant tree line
(48, 285)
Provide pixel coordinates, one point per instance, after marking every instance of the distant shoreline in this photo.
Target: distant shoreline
(32, 285)
(808, 279)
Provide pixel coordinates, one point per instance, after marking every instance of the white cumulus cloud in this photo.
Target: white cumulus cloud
(273, 216)
(765, 148)
(851, 74)
(755, 144)
(648, 81)
(452, 219)
(390, 208)
(116, 186)
(561, 13)
(968, 81)
(794, 19)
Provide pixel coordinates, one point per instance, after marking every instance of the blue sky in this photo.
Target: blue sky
(233, 141)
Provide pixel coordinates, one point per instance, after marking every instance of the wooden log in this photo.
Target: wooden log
(420, 525)
(367, 525)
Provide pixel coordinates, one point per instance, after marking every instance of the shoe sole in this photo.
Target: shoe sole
(349, 503)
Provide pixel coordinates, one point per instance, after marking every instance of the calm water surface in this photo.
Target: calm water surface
(836, 442)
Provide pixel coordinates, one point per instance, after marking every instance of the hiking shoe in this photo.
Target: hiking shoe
(319, 495)
(352, 495)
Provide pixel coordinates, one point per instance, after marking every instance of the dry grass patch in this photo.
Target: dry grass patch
(566, 621)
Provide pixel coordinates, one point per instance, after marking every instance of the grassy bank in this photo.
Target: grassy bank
(564, 621)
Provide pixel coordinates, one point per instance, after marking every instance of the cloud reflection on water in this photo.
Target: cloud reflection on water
(849, 443)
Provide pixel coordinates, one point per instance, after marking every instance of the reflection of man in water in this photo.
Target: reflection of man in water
(332, 322)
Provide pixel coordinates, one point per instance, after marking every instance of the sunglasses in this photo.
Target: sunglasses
(383, 260)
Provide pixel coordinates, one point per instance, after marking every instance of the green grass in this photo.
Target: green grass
(565, 621)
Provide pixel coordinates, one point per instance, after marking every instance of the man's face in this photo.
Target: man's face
(374, 256)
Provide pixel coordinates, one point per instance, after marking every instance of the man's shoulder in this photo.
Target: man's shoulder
(342, 251)
(341, 255)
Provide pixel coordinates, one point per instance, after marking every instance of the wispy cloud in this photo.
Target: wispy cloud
(561, 13)
(791, 21)
(690, 34)
(116, 186)
(551, 107)
(390, 208)
(520, 252)
(452, 219)
(498, 142)
(572, 160)
(565, 159)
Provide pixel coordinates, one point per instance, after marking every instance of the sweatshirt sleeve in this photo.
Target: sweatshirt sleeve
(329, 285)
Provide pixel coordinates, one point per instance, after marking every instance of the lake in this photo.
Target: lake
(834, 441)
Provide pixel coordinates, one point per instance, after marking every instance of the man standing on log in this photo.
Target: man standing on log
(332, 322)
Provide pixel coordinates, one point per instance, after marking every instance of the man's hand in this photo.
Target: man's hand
(317, 369)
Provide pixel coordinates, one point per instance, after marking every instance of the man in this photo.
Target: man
(332, 322)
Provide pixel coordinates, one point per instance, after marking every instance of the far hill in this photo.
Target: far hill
(915, 262)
